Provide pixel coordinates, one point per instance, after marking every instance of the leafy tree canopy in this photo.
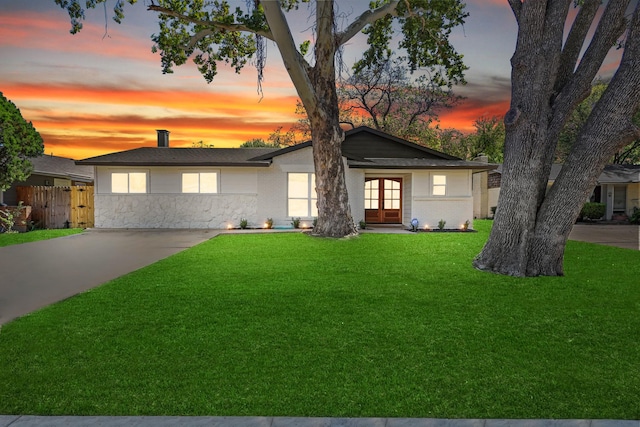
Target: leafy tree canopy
(259, 143)
(19, 141)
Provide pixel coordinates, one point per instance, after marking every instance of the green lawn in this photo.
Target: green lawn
(380, 325)
(7, 239)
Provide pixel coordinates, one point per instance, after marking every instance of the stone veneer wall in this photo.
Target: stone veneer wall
(216, 211)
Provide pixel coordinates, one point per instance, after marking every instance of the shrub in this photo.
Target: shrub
(244, 223)
(635, 217)
(592, 211)
(269, 223)
(8, 217)
(363, 224)
(441, 224)
(295, 222)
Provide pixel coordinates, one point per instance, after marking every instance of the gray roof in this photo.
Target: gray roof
(399, 163)
(363, 147)
(619, 174)
(61, 167)
(612, 174)
(154, 156)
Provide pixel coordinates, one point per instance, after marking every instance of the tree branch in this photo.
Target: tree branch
(366, 18)
(214, 24)
(294, 62)
(575, 41)
(516, 7)
(612, 24)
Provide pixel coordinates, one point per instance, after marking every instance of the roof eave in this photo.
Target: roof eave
(179, 164)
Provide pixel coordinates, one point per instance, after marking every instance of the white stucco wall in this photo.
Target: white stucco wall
(173, 210)
(455, 207)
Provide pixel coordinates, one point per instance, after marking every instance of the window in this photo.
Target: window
(200, 182)
(302, 197)
(371, 194)
(391, 194)
(439, 185)
(129, 182)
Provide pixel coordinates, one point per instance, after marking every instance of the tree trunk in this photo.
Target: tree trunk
(334, 211)
(532, 226)
(316, 87)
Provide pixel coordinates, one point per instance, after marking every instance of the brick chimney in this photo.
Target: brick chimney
(163, 138)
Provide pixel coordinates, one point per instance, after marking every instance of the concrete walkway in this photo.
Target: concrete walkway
(34, 275)
(620, 235)
(34, 421)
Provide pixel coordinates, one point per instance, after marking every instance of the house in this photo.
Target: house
(389, 180)
(49, 170)
(618, 187)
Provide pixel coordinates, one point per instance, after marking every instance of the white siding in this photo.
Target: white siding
(164, 206)
(455, 207)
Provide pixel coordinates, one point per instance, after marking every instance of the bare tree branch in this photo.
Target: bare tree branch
(299, 70)
(612, 24)
(575, 41)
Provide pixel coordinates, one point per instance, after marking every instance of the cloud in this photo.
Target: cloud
(44, 32)
(79, 121)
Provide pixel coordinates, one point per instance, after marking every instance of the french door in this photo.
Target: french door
(383, 200)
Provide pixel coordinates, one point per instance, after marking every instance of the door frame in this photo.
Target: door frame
(382, 215)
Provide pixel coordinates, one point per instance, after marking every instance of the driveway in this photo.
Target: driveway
(34, 275)
(620, 235)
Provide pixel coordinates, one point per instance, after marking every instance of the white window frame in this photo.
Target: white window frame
(312, 208)
(438, 187)
(199, 189)
(128, 174)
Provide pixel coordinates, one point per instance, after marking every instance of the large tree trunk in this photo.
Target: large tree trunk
(316, 87)
(532, 226)
(334, 212)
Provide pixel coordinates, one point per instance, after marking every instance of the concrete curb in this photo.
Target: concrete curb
(119, 421)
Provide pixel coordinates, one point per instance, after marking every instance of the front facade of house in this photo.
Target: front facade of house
(389, 180)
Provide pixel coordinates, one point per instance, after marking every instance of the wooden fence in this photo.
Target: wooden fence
(59, 207)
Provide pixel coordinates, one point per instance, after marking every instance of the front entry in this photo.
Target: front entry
(383, 200)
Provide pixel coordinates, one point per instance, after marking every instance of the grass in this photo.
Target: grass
(7, 239)
(380, 325)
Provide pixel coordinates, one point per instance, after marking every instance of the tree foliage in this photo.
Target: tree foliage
(19, 141)
(258, 143)
(211, 32)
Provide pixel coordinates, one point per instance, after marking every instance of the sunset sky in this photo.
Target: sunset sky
(89, 95)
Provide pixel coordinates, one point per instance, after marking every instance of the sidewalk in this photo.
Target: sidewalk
(36, 421)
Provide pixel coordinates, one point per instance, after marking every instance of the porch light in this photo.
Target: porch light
(266, 225)
(229, 226)
(304, 225)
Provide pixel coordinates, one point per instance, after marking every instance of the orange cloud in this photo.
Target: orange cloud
(468, 111)
(51, 33)
(79, 121)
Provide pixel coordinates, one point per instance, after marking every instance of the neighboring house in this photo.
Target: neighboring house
(389, 180)
(49, 170)
(618, 188)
